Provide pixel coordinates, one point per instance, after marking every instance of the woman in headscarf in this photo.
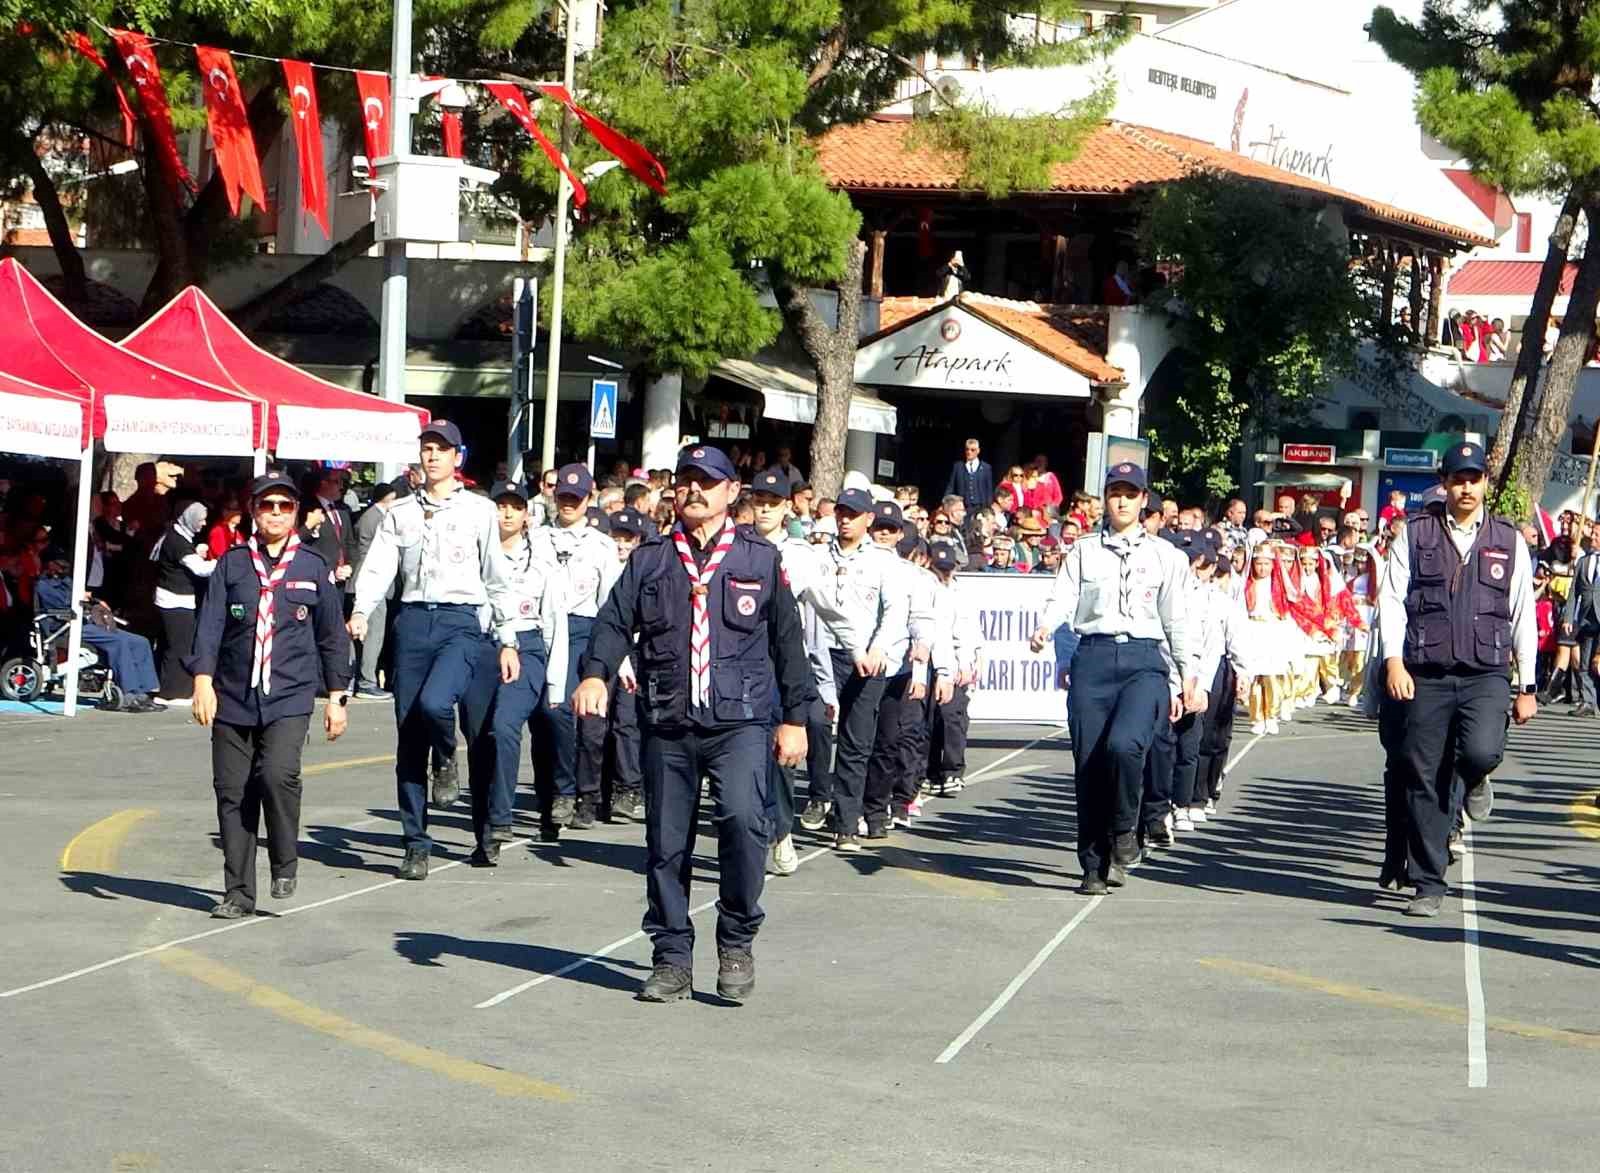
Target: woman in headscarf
(181, 569)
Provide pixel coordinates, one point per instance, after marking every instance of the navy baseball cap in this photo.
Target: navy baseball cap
(627, 521)
(1126, 473)
(945, 556)
(573, 480)
(886, 515)
(704, 458)
(508, 489)
(441, 430)
(598, 519)
(773, 481)
(1184, 539)
(273, 481)
(1468, 457)
(855, 500)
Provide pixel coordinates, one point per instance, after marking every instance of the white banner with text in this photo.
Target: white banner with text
(1014, 684)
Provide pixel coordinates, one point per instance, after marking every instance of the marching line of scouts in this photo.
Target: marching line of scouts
(643, 664)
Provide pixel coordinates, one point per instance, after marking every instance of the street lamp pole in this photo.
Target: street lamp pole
(392, 314)
(552, 378)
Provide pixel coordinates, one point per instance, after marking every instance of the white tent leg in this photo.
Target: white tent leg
(80, 571)
(260, 464)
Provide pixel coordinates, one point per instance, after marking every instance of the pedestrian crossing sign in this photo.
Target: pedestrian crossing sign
(603, 410)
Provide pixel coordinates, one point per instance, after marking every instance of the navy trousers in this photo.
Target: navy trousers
(513, 710)
(859, 698)
(1218, 736)
(1187, 734)
(947, 737)
(1117, 701)
(555, 763)
(735, 760)
(1159, 766)
(436, 650)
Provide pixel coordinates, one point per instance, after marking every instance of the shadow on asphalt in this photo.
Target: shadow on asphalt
(608, 973)
(106, 887)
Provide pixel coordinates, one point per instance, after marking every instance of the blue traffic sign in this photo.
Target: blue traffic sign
(603, 410)
(1410, 458)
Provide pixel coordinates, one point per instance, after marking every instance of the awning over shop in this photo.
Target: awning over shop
(35, 421)
(790, 394)
(311, 419)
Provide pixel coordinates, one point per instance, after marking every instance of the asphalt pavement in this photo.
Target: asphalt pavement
(944, 1002)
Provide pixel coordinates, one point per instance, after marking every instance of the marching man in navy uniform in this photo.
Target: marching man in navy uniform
(269, 636)
(444, 542)
(1122, 590)
(718, 627)
(1455, 610)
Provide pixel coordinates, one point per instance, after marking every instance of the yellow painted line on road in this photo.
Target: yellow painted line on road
(1385, 1000)
(1585, 815)
(291, 1009)
(345, 763)
(95, 848)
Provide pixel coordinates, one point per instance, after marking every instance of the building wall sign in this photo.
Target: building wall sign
(1309, 454)
(953, 349)
(1185, 85)
(1411, 458)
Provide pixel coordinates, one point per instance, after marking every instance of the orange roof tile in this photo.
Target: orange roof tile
(1115, 159)
(1072, 335)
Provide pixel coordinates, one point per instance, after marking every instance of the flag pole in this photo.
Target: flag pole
(552, 377)
(392, 314)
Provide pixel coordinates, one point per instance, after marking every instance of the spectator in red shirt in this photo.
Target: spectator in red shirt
(1050, 494)
(227, 532)
(1118, 289)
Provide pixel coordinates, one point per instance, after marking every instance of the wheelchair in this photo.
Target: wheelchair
(43, 671)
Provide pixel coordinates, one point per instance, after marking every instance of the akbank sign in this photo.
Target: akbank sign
(952, 349)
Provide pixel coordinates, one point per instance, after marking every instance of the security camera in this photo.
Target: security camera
(360, 168)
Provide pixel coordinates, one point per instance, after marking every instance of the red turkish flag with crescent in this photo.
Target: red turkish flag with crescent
(140, 60)
(632, 155)
(235, 146)
(374, 91)
(308, 140)
(511, 98)
(86, 49)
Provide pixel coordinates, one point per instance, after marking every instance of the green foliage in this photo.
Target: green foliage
(1513, 499)
(1268, 310)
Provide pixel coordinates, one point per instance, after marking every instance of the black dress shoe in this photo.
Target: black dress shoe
(1092, 885)
(231, 909)
(877, 830)
(582, 814)
(283, 888)
(1125, 850)
(736, 974)
(485, 856)
(1393, 879)
(414, 866)
(667, 983)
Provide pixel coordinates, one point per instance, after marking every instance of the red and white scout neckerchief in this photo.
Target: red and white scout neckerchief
(261, 661)
(700, 631)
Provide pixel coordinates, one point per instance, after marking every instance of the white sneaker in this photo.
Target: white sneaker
(1197, 814)
(1211, 806)
(914, 808)
(1258, 727)
(1285, 714)
(1182, 822)
(1332, 695)
(782, 860)
(1272, 727)
(861, 825)
(1355, 701)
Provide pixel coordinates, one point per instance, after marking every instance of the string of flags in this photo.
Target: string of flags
(234, 145)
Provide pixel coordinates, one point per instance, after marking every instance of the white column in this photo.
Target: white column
(80, 572)
(663, 396)
(861, 453)
(1120, 412)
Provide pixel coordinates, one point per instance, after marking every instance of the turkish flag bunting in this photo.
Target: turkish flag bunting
(511, 98)
(86, 49)
(140, 60)
(374, 91)
(235, 146)
(308, 141)
(632, 155)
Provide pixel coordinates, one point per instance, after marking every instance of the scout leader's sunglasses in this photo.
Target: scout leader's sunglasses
(277, 505)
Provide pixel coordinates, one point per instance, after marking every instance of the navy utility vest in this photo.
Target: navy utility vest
(740, 601)
(1458, 614)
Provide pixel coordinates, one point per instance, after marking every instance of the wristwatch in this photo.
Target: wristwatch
(344, 700)
(1530, 690)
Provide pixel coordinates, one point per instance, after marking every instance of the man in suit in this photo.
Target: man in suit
(1582, 613)
(971, 479)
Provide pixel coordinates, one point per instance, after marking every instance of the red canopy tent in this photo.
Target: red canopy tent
(136, 405)
(309, 418)
(37, 421)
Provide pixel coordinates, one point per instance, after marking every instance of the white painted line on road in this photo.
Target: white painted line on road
(246, 923)
(1000, 761)
(1477, 1046)
(602, 952)
(1248, 746)
(1039, 958)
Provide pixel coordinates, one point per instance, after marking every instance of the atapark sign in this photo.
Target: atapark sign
(956, 350)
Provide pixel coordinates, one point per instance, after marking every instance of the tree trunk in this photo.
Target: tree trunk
(172, 271)
(833, 356)
(75, 282)
(1534, 450)
(263, 305)
(1515, 418)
